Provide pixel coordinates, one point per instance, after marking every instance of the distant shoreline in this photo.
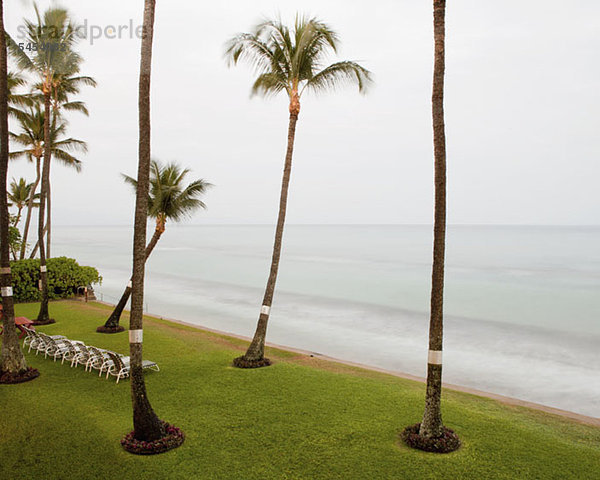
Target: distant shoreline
(585, 419)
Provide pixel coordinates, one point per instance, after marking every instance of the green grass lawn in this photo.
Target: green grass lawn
(301, 418)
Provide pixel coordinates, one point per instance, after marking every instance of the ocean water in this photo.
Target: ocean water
(522, 311)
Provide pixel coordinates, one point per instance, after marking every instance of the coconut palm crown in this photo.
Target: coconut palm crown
(55, 35)
(168, 198)
(31, 136)
(18, 196)
(293, 60)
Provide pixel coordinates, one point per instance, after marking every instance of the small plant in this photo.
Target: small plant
(173, 438)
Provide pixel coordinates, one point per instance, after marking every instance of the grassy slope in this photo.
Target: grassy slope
(300, 419)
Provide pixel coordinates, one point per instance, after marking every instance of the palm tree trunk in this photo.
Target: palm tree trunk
(36, 246)
(49, 199)
(49, 212)
(256, 350)
(432, 426)
(18, 217)
(30, 207)
(146, 424)
(12, 361)
(113, 321)
(43, 316)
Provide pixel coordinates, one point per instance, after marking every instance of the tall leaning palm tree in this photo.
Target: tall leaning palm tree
(13, 367)
(431, 428)
(169, 199)
(146, 424)
(55, 29)
(291, 61)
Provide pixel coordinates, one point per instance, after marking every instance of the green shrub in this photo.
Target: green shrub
(64, 277)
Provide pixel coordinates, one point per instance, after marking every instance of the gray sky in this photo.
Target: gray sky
(522, 103)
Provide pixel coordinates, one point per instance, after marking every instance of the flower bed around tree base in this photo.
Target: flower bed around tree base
(243, 362)
(447, 443)
(8, 378)
(173, 438)
(105, 329)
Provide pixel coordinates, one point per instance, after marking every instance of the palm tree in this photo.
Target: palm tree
(55, 29)
(289, 61)
(13, 366)
(432, 419)
(60, 150)
(432, 428)
(64, 85)
(146, 424)
(18, 196)
(31, 137)
(169, 199)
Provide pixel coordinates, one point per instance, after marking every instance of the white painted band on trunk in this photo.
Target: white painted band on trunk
(7, 291)
(434, 357)
(130, 285)
(43, 268)
(265, 309)
(136, 336)
(4, 270)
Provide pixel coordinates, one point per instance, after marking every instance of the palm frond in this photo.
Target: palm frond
(130, 180)
(76, 106)
(21, 59)
(71, 144)
(67, 159)
(268, 84)
(338, 74)
(19, 154)
(249, 48)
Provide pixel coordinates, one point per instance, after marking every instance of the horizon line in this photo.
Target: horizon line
(345, 225)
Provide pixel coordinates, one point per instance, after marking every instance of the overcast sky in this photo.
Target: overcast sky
(522, 103)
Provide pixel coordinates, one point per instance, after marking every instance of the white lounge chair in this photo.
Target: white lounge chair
(40, 341)
(119, 366)
(97, 358)
(73, 348)
(55, 347)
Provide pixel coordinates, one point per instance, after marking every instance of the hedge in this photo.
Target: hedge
(65, 275)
